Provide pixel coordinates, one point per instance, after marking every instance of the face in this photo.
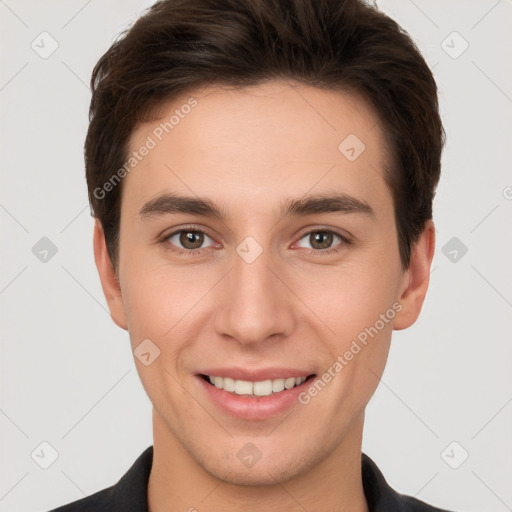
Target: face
(283, 263)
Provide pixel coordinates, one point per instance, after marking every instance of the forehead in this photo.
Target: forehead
(246, 146)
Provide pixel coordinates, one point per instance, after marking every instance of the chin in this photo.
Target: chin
(276, 465)
(264, 475)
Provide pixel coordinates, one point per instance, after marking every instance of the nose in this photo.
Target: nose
(255, 302)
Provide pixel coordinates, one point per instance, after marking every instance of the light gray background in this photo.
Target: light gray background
(68, 377)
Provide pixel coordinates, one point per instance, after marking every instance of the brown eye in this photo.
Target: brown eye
(322, 240)
(187, 240)
(191, 239)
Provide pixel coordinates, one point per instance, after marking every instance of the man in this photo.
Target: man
(261, 175)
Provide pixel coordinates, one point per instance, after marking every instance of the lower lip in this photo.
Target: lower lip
(249, 407)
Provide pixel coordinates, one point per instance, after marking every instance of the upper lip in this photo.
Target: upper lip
(256, 375)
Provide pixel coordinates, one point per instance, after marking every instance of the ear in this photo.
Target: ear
(108, 277)
(416, 278)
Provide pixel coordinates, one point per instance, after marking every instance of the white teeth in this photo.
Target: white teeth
(229, 384)
(260, 388)
(263, 388)
(277, 385)
(289, 383)
(242, 387)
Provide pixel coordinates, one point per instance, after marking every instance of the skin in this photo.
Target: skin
(247, 151)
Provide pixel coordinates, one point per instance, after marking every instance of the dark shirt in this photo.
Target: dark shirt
(130, 492)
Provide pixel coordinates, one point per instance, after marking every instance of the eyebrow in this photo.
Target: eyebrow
(169, 203)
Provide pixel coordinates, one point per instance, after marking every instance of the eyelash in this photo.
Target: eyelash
(311, 252)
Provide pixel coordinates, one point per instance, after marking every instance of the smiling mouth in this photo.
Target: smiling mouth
(255, 389)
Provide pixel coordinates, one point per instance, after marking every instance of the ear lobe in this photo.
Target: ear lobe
(108, 277)
(416, 278)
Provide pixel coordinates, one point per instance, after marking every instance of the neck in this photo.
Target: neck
(178, 482)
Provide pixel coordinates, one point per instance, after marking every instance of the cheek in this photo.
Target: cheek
(168, 306)
(156, 296)
(356, 304)
(348, 298)
(358, 353)
(156, 305)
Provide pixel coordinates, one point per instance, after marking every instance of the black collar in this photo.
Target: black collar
(130, 492)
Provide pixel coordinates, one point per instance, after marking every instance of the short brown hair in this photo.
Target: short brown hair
(178, 45)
